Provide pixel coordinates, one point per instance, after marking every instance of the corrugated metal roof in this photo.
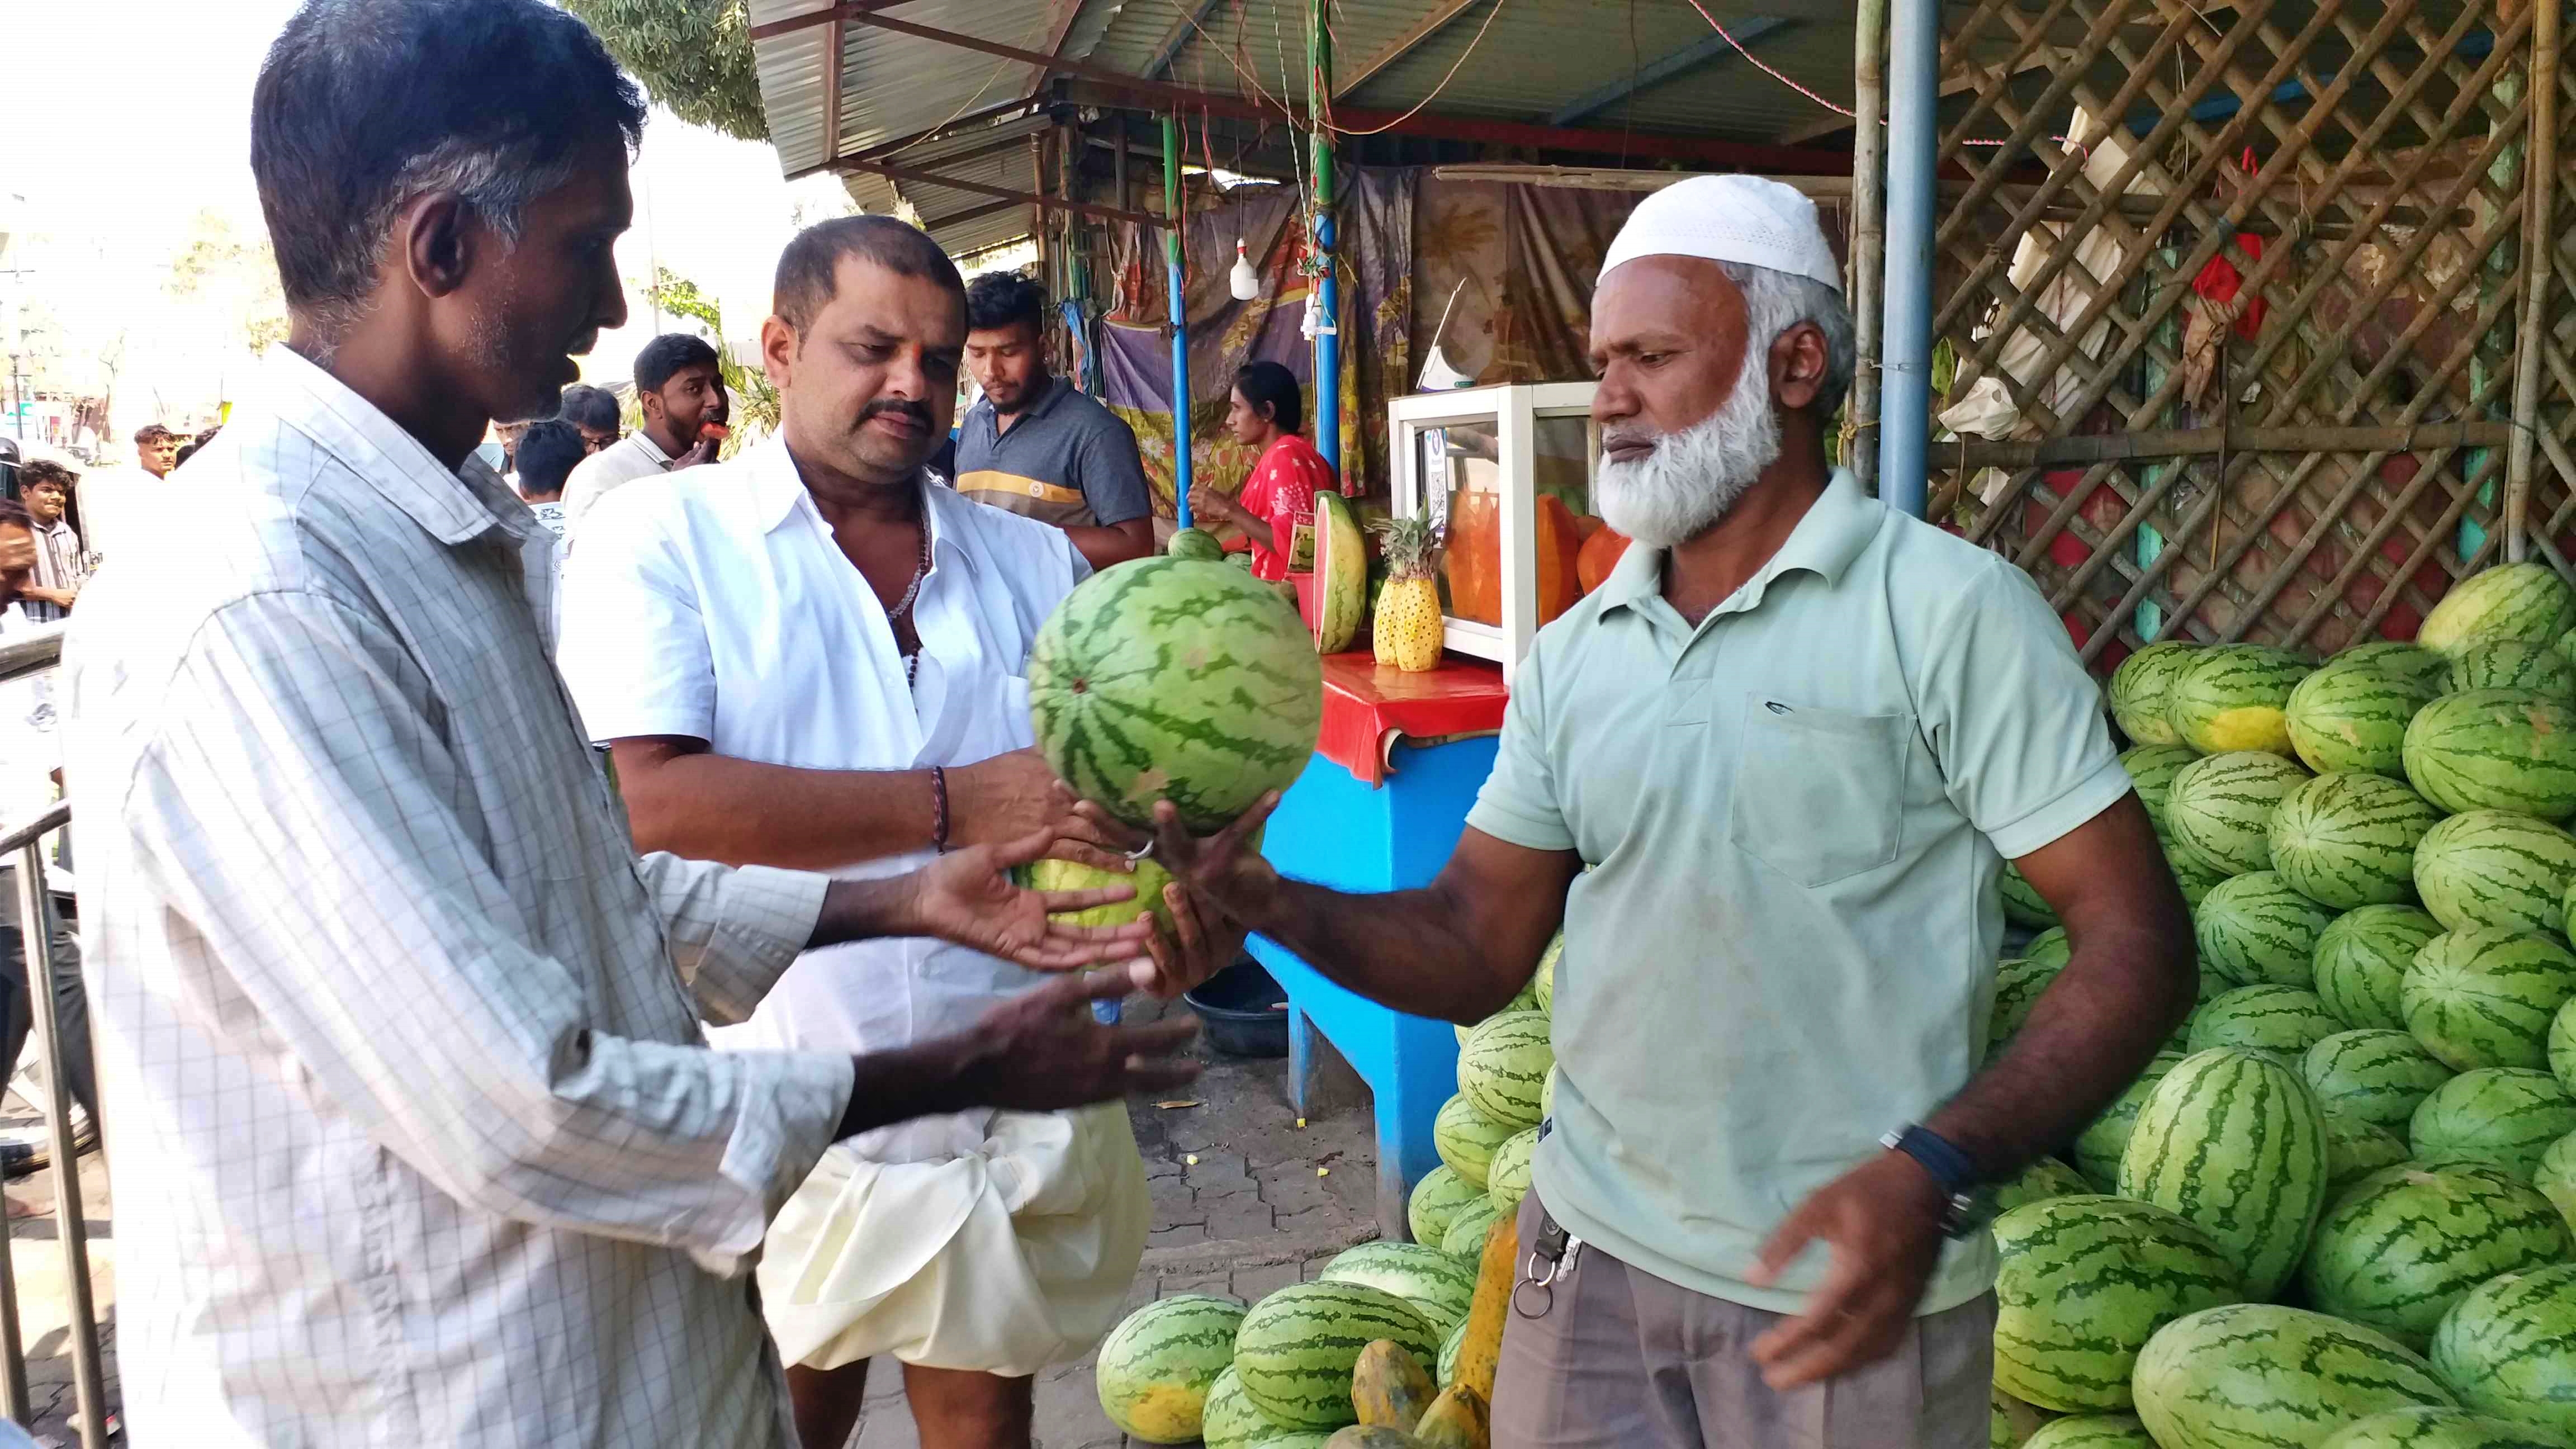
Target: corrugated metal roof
(962, 221)
(891, 85)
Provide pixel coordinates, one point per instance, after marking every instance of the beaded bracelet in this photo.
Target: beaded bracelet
(938, 810)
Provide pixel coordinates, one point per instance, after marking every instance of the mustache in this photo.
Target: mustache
(903, 407)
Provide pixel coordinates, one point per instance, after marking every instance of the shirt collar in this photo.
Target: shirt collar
(777, 488)
(452, 505)
(653, 450)
(1832, 533)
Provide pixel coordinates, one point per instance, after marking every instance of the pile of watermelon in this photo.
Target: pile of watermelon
(2340, 1209)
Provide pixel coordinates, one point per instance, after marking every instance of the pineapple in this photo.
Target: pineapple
(1407, 632)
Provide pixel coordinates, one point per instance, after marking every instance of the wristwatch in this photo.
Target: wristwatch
(1971, 1202)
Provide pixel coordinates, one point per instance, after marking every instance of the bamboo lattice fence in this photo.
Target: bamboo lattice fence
(2279, 338)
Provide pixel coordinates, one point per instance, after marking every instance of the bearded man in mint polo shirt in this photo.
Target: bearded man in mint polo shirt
(1795, 735)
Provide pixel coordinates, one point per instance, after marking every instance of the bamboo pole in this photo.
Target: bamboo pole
(1869, 228)
(2540, 178)
(2198, 442)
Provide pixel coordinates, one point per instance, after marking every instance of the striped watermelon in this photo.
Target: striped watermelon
(2024, 906)
(2514, 664)
(1547, 1094)
(1543, 981)
(1157, 1365)
(2234, 1142)
(2495, 749)
(2485, 998)
(2405, 661)
(2562, 1046)
(2361, 962)
(2508, 601)
(2508, 1347)
(2432, 1429)
(2018, 985)
(2097, 1151)
(2403, 1244)
(2152, 769)
(2050, 948)
(2502, 1116)
(2044, 1179)
(1435, 1200)
(2254, 929)
(2349, 840)
(2219, 810)
(2249, 1374)
(2083, 1283)
(1467, 1231)
(2091, 1431)
(1503, 1064)
(2496, 868)
(1447, 1373)
(2556, 1177)
(1232, 1421)
(2012, 1422)
(1508, 1180)
(1466, 1138)
(2282, 1020)
(2193, 879)
(2351, 715)
(1438, 1286)
(2373, 1076)
(2355, 1149)
(1297, 1346)
(2231, 697)
(2140, 687)
(1170, 678)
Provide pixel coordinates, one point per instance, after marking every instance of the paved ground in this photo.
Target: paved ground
(1240, 1208)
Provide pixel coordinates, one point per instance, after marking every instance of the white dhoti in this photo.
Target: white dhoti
(992, 1241)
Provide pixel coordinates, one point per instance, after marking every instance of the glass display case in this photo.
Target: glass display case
(1506, 472)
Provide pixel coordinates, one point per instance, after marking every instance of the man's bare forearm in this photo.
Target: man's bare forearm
(713, 807)
(1416, 951)
(1105, 546)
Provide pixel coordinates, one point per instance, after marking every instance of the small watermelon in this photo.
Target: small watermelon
(2152, 769)
(2282, 1020)
(2361, 962)
(2562, 1046)
(2514, 664)
(1467, 1231)
(1196, 544)
(1297, 1346)
(1156, 1366)
(2091, 1431)
(2496, 868)
(1504, 1063)
(2349, 840)
(2485, 998)
(2508, 1347)
(2378, 1077)
(1509, 1178)
(1466, 1138)
(2018, 985)
(2097, 1151)
(2219, 810)
(2260, 1374)
(2431, 1429)
(2193, 879)
(2084, 1282)
(2047, 1178)
(2351, 715)
(2140, 686)
(2399, 1247)
(1232, 1421)
(2503, 1116)
(2356, 1149)
(2232, 697)
(1438, 1286)
(2254, 930)
(2234, 1142)
(2050, 948)
(1543, 983)
(2556, 1178)
(2508, 601)
(1447, 1373)
(2495, 749)
(2024, 906)
(1435, 1201)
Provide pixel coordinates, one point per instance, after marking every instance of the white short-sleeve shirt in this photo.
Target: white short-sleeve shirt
(714, 604)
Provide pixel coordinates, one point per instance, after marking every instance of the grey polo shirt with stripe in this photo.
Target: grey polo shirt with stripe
(1797, 812)
(1068, 461)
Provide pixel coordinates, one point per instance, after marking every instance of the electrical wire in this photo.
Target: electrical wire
(1445, 80)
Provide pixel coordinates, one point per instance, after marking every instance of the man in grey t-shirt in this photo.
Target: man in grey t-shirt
(1034, 444)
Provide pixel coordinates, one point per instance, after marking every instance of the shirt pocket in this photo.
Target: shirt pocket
(1819, 793)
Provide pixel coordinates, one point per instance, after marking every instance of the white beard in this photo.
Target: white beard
(1682, 488)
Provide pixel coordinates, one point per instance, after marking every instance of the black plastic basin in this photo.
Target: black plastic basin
(1245, 1011)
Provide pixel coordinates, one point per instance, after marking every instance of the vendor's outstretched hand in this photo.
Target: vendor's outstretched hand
(1200, 943)
(968, 897)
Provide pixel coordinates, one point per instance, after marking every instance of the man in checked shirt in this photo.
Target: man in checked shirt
(418, 1140)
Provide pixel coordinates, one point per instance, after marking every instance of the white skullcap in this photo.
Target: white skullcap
(1732, 218)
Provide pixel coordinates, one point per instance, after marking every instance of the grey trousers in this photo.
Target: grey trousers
(1622, 1359)
(17, 1013)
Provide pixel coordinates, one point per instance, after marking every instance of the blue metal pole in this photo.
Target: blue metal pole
(1905, 341)
(1173, 220)
(1328, 290)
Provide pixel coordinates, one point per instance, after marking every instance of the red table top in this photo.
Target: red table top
(1368, 707)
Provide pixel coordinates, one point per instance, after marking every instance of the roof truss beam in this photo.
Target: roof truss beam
(1432, 23)
(1710, 47)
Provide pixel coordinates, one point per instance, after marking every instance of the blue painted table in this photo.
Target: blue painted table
(1337, 829)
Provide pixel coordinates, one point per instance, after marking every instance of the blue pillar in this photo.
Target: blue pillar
(1328, 353)
(1173, 221)
(1905, 341)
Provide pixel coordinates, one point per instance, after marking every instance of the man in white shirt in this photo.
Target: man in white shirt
(111, 498)
(62, 559)
(808, 656)
(418, 1141)
(680, 389)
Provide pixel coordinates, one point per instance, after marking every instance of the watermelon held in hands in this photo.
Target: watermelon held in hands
(1147, 880)
(2378, 1077)
(2486, 998)
(2362, 959)
(2501, 1116)
(2352, 715)
(2348, 840)
(2234, 1142)
(2140, 687)
(1297, 1347)
(2402, 1245)
(2508, 601)
(2495, 749)
(2232, 697)
(2261, 1374)
(1156, 1367)
(2508, 1348)
(2496, 868)
(2431, 1429)
(2219, 809)
(1167, 679)
(2084, 1282)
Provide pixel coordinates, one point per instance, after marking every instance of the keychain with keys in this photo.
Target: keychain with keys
(1550, 1258)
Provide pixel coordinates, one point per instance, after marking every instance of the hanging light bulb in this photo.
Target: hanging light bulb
(1242, 280)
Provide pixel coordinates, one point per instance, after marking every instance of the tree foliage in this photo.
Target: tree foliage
(693, 56)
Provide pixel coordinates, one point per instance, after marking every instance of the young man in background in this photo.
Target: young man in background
(594, 413)
(62, 564)
(1034, 444)
(681, 390)
(548, 452)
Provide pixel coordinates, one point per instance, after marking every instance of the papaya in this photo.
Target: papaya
(1389, 1386)
(1481, 1352)
(1457, 1420)
(1372, 1436)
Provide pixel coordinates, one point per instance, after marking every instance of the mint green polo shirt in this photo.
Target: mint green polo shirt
(1797, 814)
